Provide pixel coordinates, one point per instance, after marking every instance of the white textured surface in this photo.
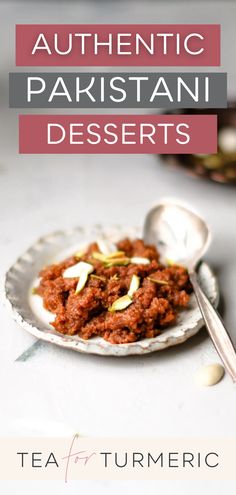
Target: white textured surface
(149, 396)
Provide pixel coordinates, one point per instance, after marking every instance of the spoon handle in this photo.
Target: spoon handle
(216, 329)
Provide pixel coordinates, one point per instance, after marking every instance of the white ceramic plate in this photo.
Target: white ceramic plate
(28, 311)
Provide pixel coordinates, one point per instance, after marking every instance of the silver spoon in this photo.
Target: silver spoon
(182, 236)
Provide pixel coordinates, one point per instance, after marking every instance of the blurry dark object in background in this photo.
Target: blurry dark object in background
(220, 167)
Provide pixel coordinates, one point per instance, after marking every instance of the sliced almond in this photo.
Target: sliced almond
(137, 260)
(76, 270)
(106, 247)
(121, 303)
(134, 285)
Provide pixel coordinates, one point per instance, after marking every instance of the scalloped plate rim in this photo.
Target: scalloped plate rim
(100, 346)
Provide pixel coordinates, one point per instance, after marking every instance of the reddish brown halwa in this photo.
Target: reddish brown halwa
(154, 306)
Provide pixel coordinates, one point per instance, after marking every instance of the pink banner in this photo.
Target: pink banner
(118, 45)
(178, 134)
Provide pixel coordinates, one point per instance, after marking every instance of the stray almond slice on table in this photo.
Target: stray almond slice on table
(209, 375)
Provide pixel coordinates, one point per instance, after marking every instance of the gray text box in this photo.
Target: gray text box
(102, 90)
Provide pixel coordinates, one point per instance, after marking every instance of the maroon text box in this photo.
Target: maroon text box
(176, 53)
(178, 134)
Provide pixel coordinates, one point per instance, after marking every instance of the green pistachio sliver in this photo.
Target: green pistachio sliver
(75, 271)
(110, 257)
(79, 254)
(116, 254)
(158, 281)
(117, 262)
(134, 285)
(97, 277)
(34, 291)
(138, 260)
(99, 257)
(120, 304)
(82, 281)
(169, 262)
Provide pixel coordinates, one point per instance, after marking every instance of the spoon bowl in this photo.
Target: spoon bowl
(180, 235)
